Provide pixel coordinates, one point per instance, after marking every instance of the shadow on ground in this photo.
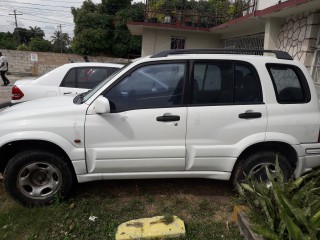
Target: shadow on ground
(200, 188)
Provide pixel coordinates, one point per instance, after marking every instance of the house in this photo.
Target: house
(292, 26)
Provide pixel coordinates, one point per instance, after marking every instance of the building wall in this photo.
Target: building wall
(262, 4)
(298, 36)
(20, 61)
(157, 40)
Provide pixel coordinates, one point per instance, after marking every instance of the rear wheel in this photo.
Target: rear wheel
(36, 177)
(254, 167)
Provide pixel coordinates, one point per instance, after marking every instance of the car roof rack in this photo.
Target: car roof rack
(278, 54)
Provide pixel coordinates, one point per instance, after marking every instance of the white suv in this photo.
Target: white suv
(218, 114)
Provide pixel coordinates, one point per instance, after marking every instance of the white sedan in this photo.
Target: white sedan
(71, 78)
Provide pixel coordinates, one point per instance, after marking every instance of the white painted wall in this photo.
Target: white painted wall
(262, 4)
(272, 30)
(157, 40)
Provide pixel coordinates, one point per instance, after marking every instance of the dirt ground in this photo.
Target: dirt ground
(194, 189)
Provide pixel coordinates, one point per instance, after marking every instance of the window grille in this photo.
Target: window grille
(178, 43)
(249, 42)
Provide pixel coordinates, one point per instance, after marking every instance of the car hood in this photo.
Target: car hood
(56, 116)
(40, 106)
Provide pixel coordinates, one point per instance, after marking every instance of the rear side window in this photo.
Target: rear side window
(289, 83)
(86, 77)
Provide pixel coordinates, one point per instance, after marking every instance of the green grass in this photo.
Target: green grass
(204, 205)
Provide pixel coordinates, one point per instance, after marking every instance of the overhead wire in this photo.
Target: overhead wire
(36, 4)
(35, 12)
(27, 12)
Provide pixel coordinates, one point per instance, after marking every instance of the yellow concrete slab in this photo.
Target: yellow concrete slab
(151, 228)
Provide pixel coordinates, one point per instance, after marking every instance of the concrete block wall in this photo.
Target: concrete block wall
(20, 61)
(298, 36)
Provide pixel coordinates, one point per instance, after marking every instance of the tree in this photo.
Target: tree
(39, 44)
(22, 35)
(111, 7)
(101, 28)
(7, 41)
(60, 41)
(21, 38)
(93, 29)
(123, 42)
(36, 32)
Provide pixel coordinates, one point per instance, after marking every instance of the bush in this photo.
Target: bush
(23, 47)
(39, 44)
(284, 210)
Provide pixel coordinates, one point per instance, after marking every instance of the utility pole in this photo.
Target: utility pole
(60, 26)
(15, 17)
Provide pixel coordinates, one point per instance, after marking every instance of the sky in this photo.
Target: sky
(46, 14)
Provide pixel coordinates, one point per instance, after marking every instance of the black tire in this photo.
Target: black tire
(36, 178)
(255, 164)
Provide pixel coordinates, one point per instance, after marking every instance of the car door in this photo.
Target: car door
(145, 131)
(226, 114)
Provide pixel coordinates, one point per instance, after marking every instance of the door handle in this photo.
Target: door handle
(67, 93)
(168, 118)
(248, 115)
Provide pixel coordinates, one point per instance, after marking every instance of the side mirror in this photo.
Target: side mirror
(102, 105)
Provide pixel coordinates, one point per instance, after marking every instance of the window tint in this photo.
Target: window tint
(212, 82)
(83, 78)
(151, 86)
(93, 76)
(225, 82)
(87, 77)
(289, 83)
(246, 85)
(70, 79)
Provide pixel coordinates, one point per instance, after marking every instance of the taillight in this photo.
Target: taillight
(17, 94)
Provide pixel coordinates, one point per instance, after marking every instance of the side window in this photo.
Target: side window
(87, 77)
(290, 83)
(70, 79)
(213, 83)
(246, 83)
(94, 76)
(225, 83)
(153, 86)
(83, 78)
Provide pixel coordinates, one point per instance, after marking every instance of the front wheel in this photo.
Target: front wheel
(36, 177)
(254, 167)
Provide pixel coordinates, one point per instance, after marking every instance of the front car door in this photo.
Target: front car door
(226, 114)
(145, 131)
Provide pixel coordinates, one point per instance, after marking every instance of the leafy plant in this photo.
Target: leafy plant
(39, 44)
(284, 210)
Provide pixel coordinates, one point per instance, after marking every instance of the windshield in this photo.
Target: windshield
(88, 94)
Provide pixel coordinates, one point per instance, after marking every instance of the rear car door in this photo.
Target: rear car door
(226, 114)
(292, 98)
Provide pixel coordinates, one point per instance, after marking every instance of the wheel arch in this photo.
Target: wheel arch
(286, 149)
(8, 150)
